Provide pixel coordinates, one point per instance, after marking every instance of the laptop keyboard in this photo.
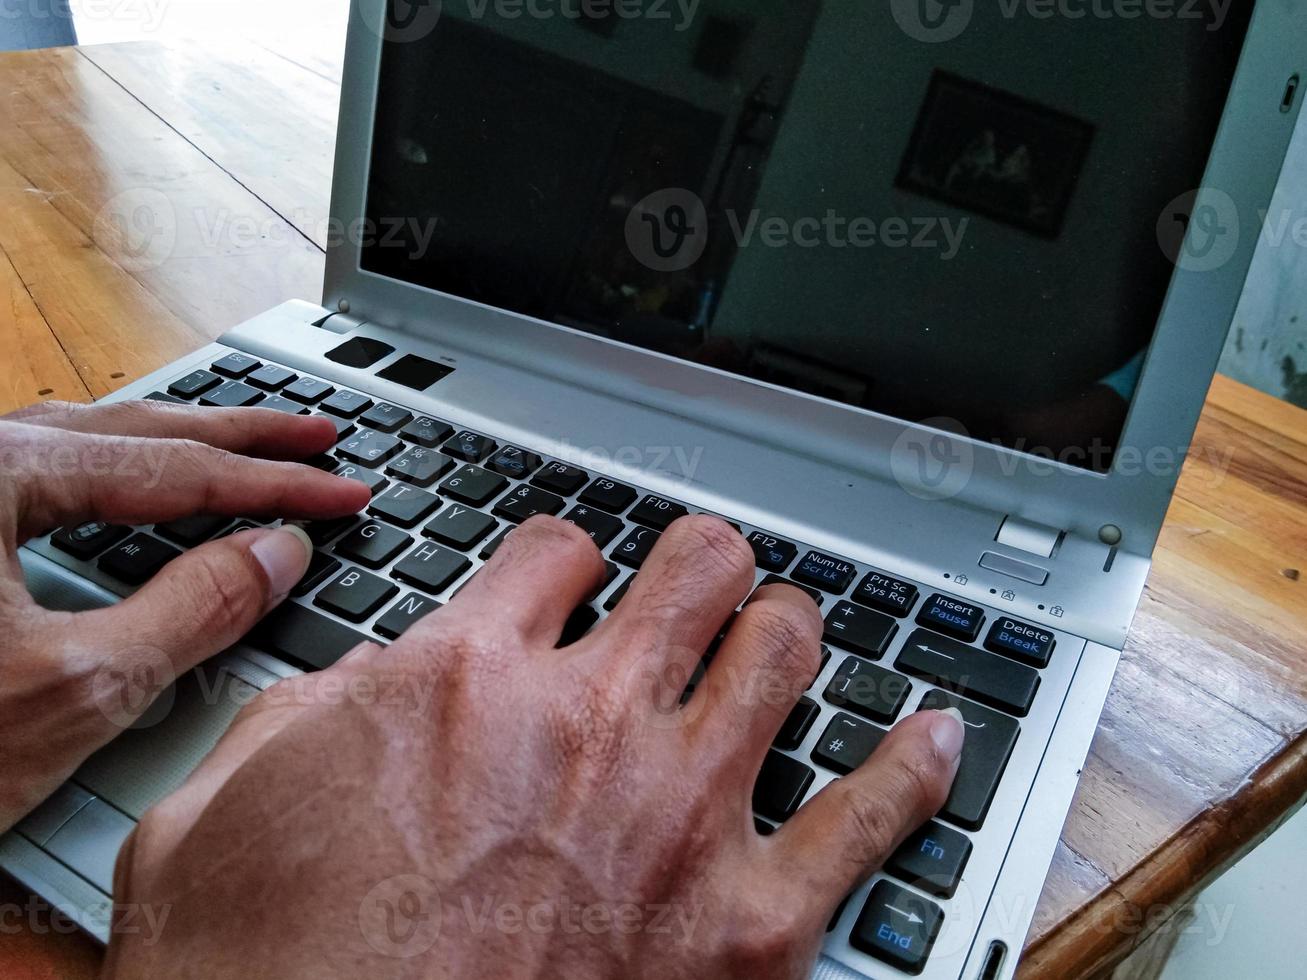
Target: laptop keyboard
(444, 498)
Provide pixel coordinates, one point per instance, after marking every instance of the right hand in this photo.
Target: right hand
(517, 810)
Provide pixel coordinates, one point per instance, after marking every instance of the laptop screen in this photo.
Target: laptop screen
(961, 213)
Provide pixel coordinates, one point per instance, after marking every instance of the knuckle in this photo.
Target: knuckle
(220, 590)
(784, 634)
(705, 533)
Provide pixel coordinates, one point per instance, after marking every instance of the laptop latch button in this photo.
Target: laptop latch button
(1037, 539)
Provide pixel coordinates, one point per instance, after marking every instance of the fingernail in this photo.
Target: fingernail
(948, 733)
(284, 555)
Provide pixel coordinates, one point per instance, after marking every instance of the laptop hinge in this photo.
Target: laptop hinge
(341, 323)
(1035, 539)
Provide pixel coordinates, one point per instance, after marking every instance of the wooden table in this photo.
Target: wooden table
(1201, 750)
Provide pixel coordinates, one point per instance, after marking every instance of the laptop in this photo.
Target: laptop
(925, 297)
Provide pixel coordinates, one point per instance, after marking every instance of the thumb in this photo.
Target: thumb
(195, 607)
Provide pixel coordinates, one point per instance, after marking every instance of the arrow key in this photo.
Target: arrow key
(897, 927)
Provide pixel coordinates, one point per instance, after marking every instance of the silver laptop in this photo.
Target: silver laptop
(924, 296)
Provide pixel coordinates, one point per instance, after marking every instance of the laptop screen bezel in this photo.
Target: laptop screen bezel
(1133, 494)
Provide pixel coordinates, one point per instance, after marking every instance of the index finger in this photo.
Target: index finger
(67, 477)
(251, 431)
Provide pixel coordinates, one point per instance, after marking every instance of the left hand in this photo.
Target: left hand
(140, 463)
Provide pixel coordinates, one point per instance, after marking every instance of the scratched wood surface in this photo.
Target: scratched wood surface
(131, 176)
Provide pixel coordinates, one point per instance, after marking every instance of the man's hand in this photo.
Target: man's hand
(473, 801)
(61, 675)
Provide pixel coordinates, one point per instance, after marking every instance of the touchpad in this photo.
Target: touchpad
(154, 757)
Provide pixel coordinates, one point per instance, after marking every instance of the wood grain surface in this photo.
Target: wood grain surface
(153, 195)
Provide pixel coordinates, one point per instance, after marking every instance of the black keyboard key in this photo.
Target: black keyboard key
(386, 417)
(236, 365)
(996, 681)
(307, 390)
(322, 461)
(771, 553)
(601, 527)
(560, 478)
(430, 567)
(232, 394)
(824, 572)
(797, 723)
(656, 512)
(868, 690)
(270, 377)
(306, 638)
(781, 786)
(459, 526)
(618, 594)
(846, 743)
(1029, 644)
(985, 752)
(493, 544)
(85, 541)
(932, 859)
(279, 404)
(513, 462)
(526, 501)
(885, 593)
(952, 616)
(404, 506)
(473, 485)
(635, 547)
(817, 597)
(469, 447)
(372, 544)
(245, 524)
(421, 467)
(427, 432)
(355, 594)
(321, 567)
(194, 384)
(578, 625)
(396, 621)
(608, 495)
(163, 396)
(373, 480)
(344, 427)
(897, 927)
(368, 447)
(346, 404)
(611, 572)
(190, 531)
(137, 559)
(859, 630)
